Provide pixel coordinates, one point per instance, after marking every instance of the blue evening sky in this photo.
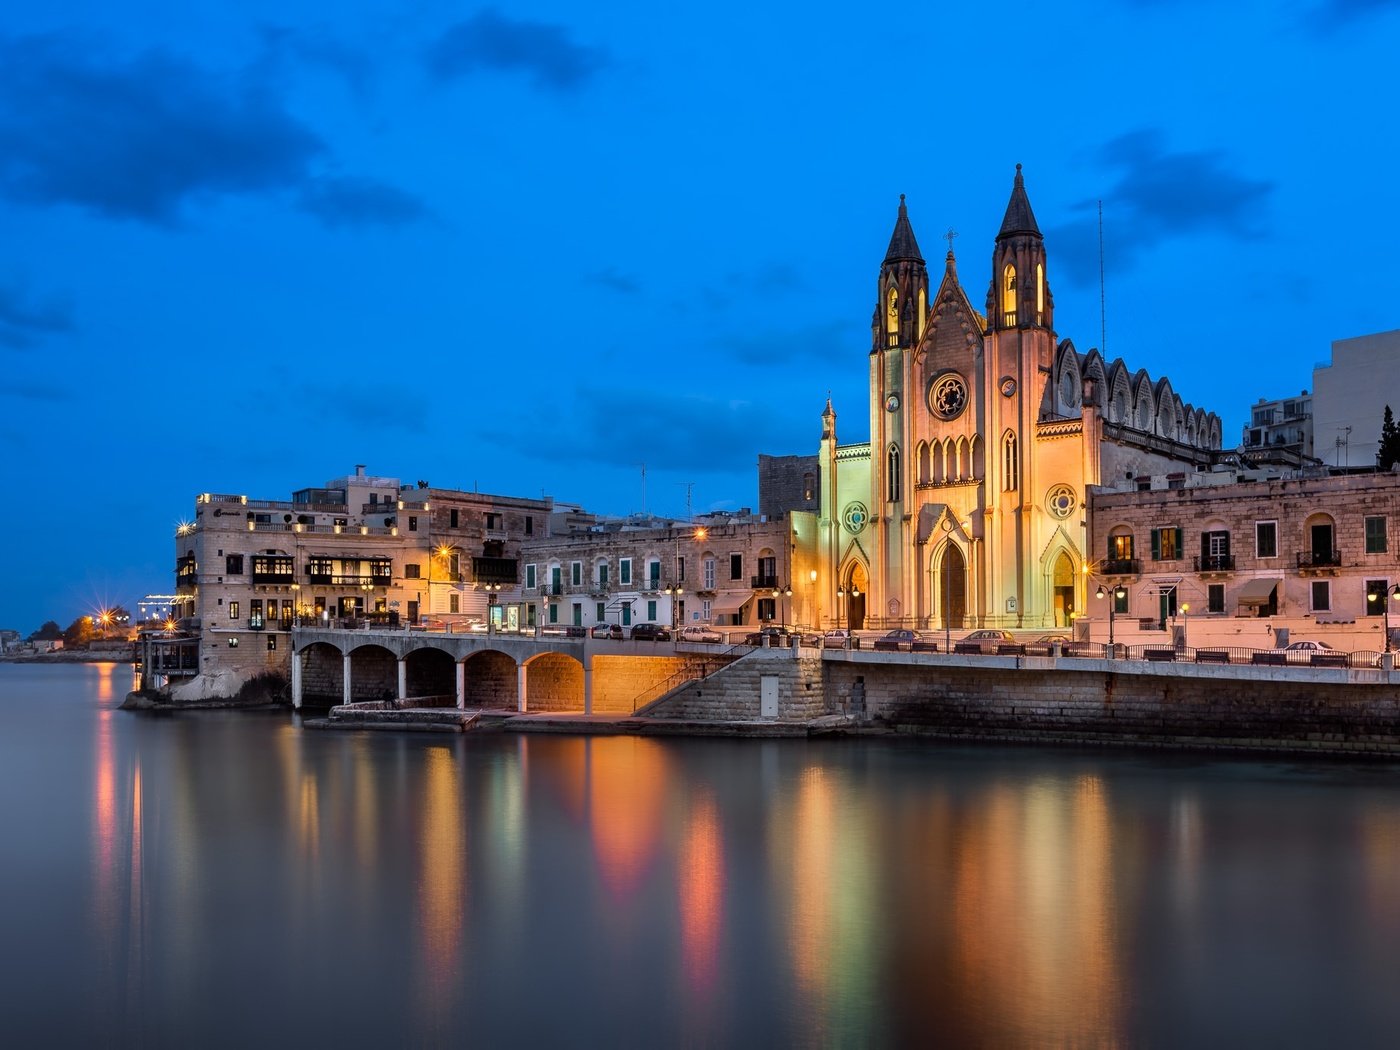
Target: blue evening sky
(530, 247)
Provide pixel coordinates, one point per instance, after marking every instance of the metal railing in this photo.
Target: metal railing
(1214, 563)
(1316, 559)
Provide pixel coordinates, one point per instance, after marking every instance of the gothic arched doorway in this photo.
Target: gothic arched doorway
(1062, 594)
(952, 587)
(857, 583)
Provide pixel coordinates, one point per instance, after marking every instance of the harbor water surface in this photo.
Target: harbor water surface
(230, 879)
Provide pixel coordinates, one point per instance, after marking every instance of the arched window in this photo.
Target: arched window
(1008, 294)
(1039, 293)
(892, 474)
(808, 486)
(892, 312)
(963, 469)
(923, 311)
(1010, 475)
(922, 456)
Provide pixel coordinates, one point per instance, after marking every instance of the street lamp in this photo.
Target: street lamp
(782, 594)
(673, 595)
(492, 589)
(1385, 599)
(1119, 593)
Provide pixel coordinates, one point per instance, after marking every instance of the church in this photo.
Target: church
(967, 506)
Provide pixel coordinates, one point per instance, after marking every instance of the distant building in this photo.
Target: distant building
(360, 549)
(788, 483)
(1280, 430)
(1349, 399)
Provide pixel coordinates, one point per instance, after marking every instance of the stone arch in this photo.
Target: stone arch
(1069, 386)
(1144, 407)
(1062, 576)
(490, 681)
(430, 671)
(977, 456)
(961, 472)
(921, 457)
(948, 585)
(553, 682)
(322, 675)
(374, 673)
(855, 585)
(1120, 395)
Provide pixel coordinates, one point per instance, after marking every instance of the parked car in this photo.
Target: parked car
(650, 632)
(607, 630)
(1306, 646)
(837, 638)
(770, 635)
(987, 639)
(697, 632)
(899, 638)
(1053, 639)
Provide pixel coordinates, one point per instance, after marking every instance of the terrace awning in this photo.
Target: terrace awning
(728, 604)
(1257, 592)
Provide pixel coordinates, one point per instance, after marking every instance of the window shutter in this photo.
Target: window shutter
(1156, 545)
(1205, 545)
(1178, 543)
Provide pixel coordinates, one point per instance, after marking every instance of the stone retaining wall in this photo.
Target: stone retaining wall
(732, 694)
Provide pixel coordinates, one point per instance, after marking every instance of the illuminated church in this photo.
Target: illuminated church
(967, 505)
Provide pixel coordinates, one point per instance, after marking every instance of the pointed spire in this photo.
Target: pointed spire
(902, 243)
(1019, 217)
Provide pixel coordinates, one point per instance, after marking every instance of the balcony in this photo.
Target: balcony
(1214, 563)
(186, 572)
(284, 579)
(764, 583)
(1121, 567)
(1319, 559)
(494, 570)
(356, 580)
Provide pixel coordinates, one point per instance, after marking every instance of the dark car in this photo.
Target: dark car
(899, 638)
(607, 630)
(650, 632)
(770, 636)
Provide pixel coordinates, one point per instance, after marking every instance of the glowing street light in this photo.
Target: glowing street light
(1385, 599)
(1119, 593)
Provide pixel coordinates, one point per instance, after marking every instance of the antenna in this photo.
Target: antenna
(689, 487)
(644, 488)
(1103, 338)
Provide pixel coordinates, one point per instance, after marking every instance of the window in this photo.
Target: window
(453, 603)
(530, 615)
(493, 521)
(768, 571)
(1166, 544)
(556, 583)
(603, 575)
(624, 571)
(767, 609)
(807, 486)
(529, 525)
(255, 613)
(272, 643)
(707, 569)
(529, 576)
(626, 614)
(234, 566)
(1008, 295)
(411, 572)
(892, 474)
(452, 519)
(736, 566)
(413, 523)
(1215, 597)
(1120, 600)
(233, 610)
(1321, 595)
(1120, 548)
(1009, 477)
(1266, 539)
(553, 613)
(705, 612)
(1375, 535)
(654, 573)
(576, 573)
(600, 613)
(651, 610)
(578, 614)
(680, 568)
(1377, 594)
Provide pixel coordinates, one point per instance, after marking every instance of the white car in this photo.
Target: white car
(697, 632)
(836, 638)
(1306, 646)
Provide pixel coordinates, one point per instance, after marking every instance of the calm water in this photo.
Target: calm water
(232, 880)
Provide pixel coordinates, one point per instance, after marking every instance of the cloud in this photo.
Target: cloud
(1334, 14)
(496, 42)
(342, 202)
(23, 324)
(816, 345)
(316, 47)
(614, 281)
(1159, 196)
(137, 138)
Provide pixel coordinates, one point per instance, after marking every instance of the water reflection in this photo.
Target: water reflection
(509, 890)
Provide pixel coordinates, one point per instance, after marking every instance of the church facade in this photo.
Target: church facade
(967, 507)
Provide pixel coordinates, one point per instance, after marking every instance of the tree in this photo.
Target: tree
(49, 632)
(1388, 451)
(79, 632)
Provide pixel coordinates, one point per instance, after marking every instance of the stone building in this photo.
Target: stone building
(1304, 551)
(967, 505)
(722, 569)
(361, 548)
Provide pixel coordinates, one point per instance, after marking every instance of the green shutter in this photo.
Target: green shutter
(1178, 543)
(1156, 545)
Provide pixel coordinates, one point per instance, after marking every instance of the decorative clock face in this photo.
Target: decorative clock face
(947, 397)
(1008, 386)
(892, 403)
(1060, 501)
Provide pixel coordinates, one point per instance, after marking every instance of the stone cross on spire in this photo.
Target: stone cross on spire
(950, 236)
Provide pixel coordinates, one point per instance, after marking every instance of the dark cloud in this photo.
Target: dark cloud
(492, 41)
(342, 202)
(819, 345)
(137, 138)
(1333, 14)
(24, 323)
(1158, 196)
(614, 281)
